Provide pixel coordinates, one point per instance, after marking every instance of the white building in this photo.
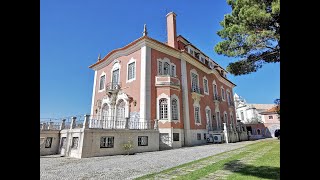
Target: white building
(248, 113)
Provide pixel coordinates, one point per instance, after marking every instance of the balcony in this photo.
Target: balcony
(196, 90)
(167, 81)
(217, 98)
(113, 87)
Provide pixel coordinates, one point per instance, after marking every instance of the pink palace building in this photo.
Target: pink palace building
(173, 86)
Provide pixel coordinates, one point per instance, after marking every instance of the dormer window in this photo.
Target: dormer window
(196, 55)
(202, 60)
(191, 51)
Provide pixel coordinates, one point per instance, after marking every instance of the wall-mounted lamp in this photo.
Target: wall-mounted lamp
(134, 102)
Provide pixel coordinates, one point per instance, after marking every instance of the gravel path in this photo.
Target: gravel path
(127, 167)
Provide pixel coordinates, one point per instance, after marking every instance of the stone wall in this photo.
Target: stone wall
(53, 149)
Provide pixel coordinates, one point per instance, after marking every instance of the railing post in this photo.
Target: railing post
(73, 122)
(50, 125)
(86, 121)
(155, 127)
(63, 124)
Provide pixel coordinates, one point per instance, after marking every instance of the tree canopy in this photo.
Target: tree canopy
(251, 32)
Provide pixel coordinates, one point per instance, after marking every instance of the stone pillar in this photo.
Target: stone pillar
(86, 121)
(63, 124)
(73, 122)
(225, 132)
(44, 126)
(50, 125)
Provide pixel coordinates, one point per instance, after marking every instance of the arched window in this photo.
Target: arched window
(120, 109)
(174, 109)
(163, 105)
(104, 113)
(166, 68)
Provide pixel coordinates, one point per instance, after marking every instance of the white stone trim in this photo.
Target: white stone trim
(207, 93)
(148, 84)
(173, 96)
(105, 80)
(143, 69)
(135, 70)
(93, 91)
(125, 98)
(164, 96)
(116, 65)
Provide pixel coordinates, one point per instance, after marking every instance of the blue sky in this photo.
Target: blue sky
(73, 33)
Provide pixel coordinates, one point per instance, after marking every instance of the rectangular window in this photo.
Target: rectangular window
(204, 136)
(191, 52)
(173, 71)
(160, 68)
(222, 94)
(194, 83)
(202, 59)
(242, 115)
(75, 141)
(107, 142)
(48, 142)
(102, 80)
(205, 84)
(198, 136)
(215, 91)
(131, 71)
(175, 136)
(142, 140)
(270, 117)
(196, 114)
(63, 142)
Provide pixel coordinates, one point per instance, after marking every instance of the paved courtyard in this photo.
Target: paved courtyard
(127, 167)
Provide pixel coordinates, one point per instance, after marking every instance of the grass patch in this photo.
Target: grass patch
(211, 167)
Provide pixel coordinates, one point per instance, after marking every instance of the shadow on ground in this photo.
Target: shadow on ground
(248, 170)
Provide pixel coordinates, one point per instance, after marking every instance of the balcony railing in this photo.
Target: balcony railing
(197, 90)
(217, 98)
(167, 81)
(119, 124)
(112, 86)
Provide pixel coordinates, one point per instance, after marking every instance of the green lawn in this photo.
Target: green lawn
(260, 160)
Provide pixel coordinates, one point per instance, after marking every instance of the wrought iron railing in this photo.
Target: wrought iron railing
(196, 90)
(113, 86)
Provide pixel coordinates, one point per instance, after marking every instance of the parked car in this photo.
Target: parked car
(277, 133)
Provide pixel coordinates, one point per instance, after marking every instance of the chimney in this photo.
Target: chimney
(172, 30)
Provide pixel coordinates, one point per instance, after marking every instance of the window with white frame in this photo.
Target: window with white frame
(104, 112)
(198, 136)
(75, 142)
(191, 51)
(218, 121)
(166, 68)
(107, 142)
(163, 105)
(202, 59)
(174, 109)
(194, 82)
(102, 81)
(215, 91)
(142, 140)
(205, 86)
(120, 110)
(131, 71)
(225, 118)
(197, 114)
(160, 68)
(173, 70)
(223, 94)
